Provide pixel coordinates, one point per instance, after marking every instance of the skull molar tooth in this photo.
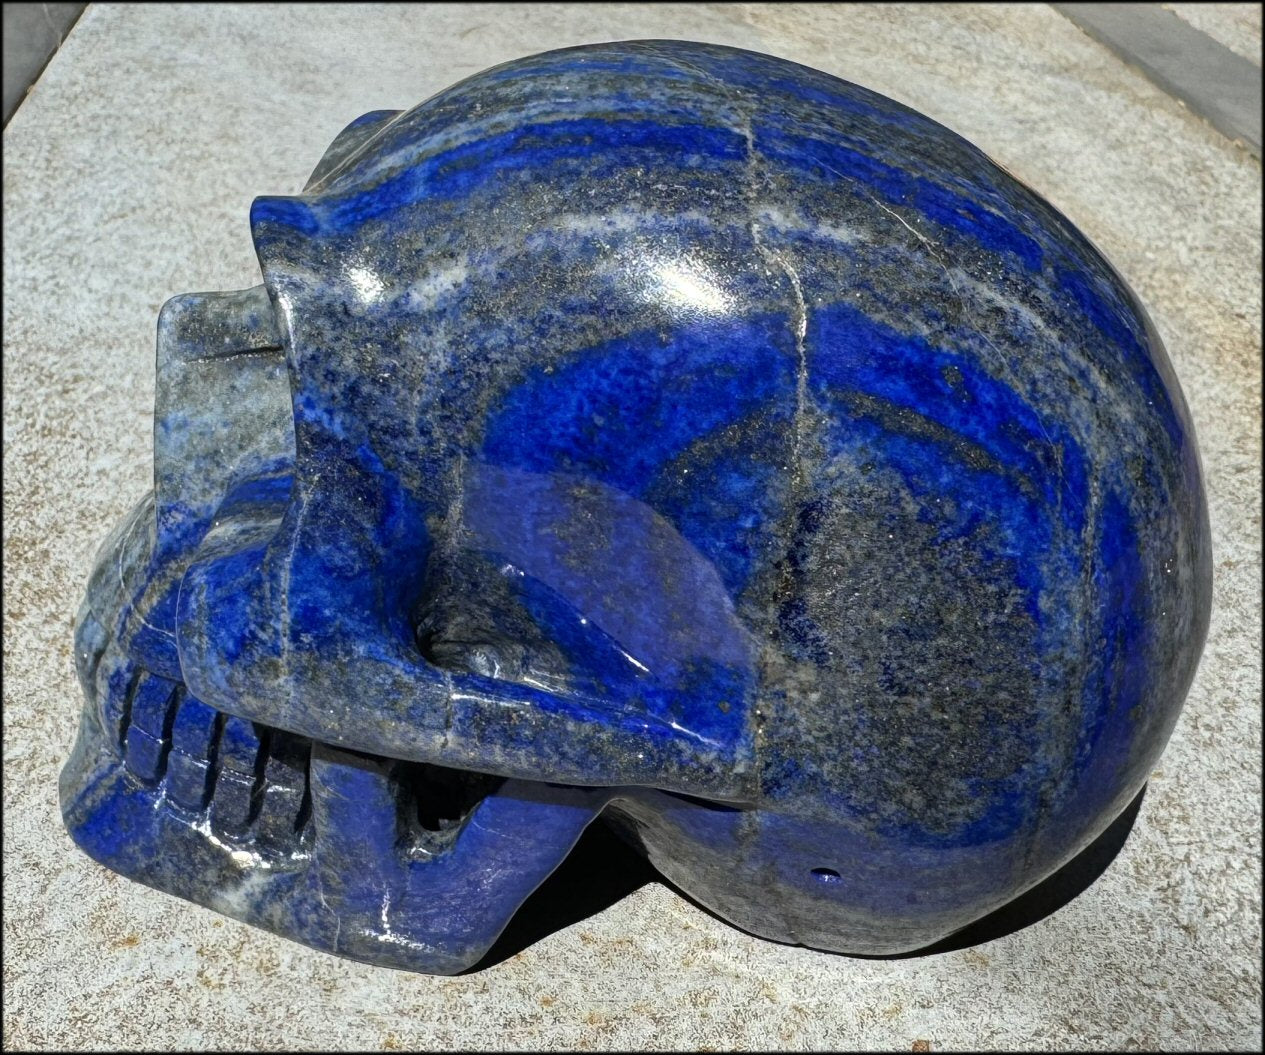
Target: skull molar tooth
(190, 764)
(90, 643)
(284, 802)
(238, 782)
(116, 682)
(149, 733)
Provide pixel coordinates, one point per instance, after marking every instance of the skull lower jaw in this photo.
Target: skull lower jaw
(363, 856)
(132, 829)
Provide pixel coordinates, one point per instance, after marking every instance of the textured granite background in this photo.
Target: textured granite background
(127, 177)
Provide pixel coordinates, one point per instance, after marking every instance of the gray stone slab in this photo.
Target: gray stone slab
(1237, 25)
(32, 33)
(1207, 76)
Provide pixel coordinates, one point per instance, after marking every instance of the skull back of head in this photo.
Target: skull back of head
(656, 432)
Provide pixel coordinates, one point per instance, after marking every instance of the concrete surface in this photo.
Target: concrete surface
(1211, 79)
(128, 174)
(32, 33)
(1237, 26)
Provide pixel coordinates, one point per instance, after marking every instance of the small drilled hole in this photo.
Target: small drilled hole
(825, 875)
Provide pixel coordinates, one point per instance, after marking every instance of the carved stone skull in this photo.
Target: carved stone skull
(656, 432)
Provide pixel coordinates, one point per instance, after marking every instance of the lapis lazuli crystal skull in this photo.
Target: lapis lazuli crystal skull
(653, 432)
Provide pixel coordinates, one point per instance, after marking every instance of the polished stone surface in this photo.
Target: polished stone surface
(658, 432)
(138, 189)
